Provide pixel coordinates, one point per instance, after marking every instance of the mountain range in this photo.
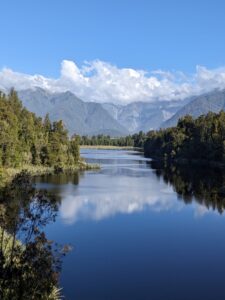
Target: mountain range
(143, 116)
(199, 105)
(83, 118)
(90, 118)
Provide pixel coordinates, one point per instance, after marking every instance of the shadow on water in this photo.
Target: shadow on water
(205, 186)
(58, 179)
(29, 263)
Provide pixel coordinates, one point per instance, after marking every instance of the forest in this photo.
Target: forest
(201, 139)
(26, 139)
(136, 140)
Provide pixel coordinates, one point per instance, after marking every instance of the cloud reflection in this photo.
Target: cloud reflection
(124, 196)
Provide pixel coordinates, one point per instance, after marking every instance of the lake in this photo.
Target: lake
(139, 230)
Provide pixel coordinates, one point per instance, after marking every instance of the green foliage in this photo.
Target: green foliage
(74, 148)
(135, 140)
(193, 139)
(30, 264)
(26, 139)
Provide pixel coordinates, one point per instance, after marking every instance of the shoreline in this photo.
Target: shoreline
(105, 147)
(7, 174)
(194, 162)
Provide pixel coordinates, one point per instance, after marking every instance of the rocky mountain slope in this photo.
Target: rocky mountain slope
(200, 105)
(84, 118)
(90, 118)
(143, 116)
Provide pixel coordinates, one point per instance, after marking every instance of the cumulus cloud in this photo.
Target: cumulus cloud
(103, 82)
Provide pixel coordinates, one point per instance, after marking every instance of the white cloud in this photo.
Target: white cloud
(103, 82)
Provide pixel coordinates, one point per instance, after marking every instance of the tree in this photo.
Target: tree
(198, 139)
(27, 139)
(29, 262)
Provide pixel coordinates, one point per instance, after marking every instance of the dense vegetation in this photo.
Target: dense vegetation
(26, 139)
(201, 139)
(135, 140)
(29, 263)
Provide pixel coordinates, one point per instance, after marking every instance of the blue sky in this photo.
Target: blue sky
(123, 41)
(142, 34)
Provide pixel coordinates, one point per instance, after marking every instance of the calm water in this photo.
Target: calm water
(139, 231)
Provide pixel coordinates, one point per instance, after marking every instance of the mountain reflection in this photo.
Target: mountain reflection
(136, 187)
(29, 263)
(130, 184)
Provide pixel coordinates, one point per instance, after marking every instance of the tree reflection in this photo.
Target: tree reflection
(62, 178)
(192, 183)
(29, 263)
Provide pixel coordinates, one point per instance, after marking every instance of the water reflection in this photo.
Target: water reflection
(148, 237)
(195, 184)
(103, 205)
(129, 185)
(29, 262)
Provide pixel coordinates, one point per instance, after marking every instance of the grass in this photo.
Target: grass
(7, 242)
(7, 174)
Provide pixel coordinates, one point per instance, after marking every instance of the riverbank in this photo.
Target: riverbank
(7, 174)
(104, 147)
(194, 162)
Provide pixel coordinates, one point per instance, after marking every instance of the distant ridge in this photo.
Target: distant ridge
(90, 118)
(143, 116)
(200, 105)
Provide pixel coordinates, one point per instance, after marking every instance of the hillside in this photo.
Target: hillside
(200, 105)
(83, 118)
(143, 116)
